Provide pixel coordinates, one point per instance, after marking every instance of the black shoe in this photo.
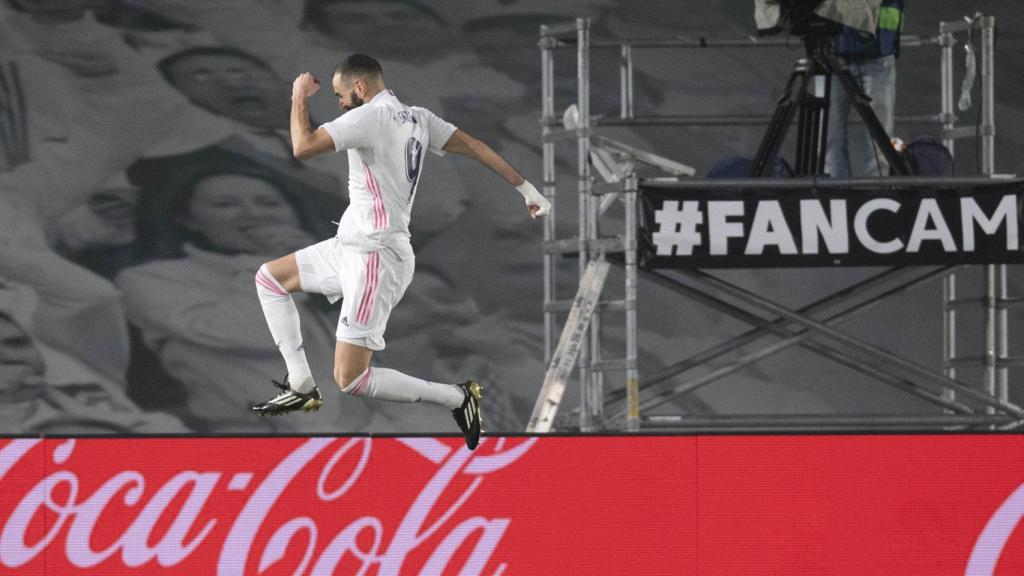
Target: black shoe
(468, 415)
(289, 401)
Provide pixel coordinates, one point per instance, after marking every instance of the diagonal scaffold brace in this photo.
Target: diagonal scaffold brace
(569, 343)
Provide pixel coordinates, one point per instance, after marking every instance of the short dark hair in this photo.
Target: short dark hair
(360, 66)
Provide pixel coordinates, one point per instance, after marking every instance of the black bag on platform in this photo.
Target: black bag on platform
(926, 156)
(739, 167)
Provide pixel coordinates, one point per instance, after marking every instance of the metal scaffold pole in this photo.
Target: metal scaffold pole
(632, 374)
(988, 150)
(946, 42)
(590, 405)
(994, 318)
(549, 188)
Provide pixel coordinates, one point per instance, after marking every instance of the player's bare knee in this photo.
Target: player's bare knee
(349, 377)
(285, 271)
(340, 377)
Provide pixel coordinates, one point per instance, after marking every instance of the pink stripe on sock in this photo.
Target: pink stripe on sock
(363, 383)
(266, 275)
(263, 281)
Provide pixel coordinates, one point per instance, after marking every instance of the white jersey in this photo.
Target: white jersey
(385, 140)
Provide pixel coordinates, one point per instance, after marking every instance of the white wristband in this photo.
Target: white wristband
(527, 189)
(534, 198)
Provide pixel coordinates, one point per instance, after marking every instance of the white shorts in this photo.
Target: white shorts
(370, 284)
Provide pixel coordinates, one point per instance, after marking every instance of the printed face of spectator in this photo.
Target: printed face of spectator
(244, 214)
(19, 358)
(232, 86)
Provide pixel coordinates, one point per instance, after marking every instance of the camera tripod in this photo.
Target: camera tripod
(812, 122)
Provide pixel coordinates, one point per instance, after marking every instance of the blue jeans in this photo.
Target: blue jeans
(877, 77)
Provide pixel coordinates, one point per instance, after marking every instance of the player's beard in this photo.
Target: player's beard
(355, 100)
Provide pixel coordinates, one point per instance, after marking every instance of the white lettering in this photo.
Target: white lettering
(410, 532)
(769, 227)
(678, 228)
(13, 552)
(719, 227)
(138, 545)
(971, 213)
(278, 544)
(348, 541)
(236, 546)
(87, 513)
(350, 479)
(12, 453)
(493, 530)
(927, 212)
(172, 548)
(813, 222)
(860, 226)
(989, 546)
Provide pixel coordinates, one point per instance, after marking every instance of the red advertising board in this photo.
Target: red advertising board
(941, 504)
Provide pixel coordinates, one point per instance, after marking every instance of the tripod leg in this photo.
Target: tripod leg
(810, 138)
(860, 102)
(803, 138)
(823, 133)
(810, 146)
(780, 122)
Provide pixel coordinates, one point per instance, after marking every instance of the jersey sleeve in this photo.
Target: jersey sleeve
(438, 131)
(353, 129)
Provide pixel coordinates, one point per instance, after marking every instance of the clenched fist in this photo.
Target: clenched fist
(305, 85)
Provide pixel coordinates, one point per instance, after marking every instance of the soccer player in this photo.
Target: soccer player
(370, 261)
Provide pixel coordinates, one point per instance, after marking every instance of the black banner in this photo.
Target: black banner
(818, 224)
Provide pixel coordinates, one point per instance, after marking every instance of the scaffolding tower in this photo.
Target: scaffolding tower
(579, 342)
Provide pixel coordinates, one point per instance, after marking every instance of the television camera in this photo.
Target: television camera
(817, 22)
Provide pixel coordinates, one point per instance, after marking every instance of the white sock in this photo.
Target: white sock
(387, 384)
(283, 321)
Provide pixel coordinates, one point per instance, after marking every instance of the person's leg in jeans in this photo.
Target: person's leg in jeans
(878, 78)
(837, 158)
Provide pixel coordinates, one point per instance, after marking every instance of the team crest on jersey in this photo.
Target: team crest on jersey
(404, 116)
